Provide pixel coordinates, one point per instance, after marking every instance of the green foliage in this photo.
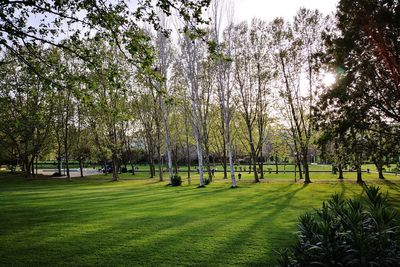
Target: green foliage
(176, 180)
(365, 97)
(354, 232)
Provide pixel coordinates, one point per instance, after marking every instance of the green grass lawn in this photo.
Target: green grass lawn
(281, 167)
(142, 222)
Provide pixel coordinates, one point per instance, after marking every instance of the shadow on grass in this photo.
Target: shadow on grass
(152, 225)
(194, 227)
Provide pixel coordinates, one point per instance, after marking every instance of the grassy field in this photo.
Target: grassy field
(281, 167)
(143, 222)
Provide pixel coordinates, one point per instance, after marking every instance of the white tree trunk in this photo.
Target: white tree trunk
(167, 139)
(223, 73)
(164, 62)
(192, 70)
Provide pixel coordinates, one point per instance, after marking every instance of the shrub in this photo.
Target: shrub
(357, 232)
(176, 180)
(207, 181)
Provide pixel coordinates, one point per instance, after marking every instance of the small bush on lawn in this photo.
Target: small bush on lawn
(356, 232)
(176, 180)
(207, 181)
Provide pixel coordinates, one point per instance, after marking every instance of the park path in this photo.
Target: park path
(72, 172)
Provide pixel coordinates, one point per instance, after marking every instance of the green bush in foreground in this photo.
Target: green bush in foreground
(357, 232)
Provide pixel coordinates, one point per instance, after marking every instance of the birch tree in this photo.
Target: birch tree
(191, 62)
(223, 79)
(163, 61)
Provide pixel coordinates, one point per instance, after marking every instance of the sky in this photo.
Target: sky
(270, 9)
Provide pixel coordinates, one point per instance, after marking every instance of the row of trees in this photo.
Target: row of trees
(240, 91)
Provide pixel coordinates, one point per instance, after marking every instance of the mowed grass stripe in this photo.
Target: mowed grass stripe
(145, 223)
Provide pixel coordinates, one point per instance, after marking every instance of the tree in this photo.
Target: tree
(108, 85)
(278, 146)
(252, 75)
(223, 73)
(348, 134)
(143, 108)
(383, 145)
(163, 61)
(362, 47)
(299, 47)
(366, 53)
(27, 106)
(112, 19)
(191, 63)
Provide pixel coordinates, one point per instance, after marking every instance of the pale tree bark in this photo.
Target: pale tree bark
(224, 87)
(191, 64)
(164, 59)
(67, 104)
(206, 82)
(187, 123)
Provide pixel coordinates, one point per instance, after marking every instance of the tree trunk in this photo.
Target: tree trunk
(160, 165)
(81, 167)
(230, 156)
(224, 161)
(358, 168)
(379, 167)
(261, 166)
(359, 175)
(306, 173)
(200, 159)
(152, 168)
(207, 159)
(27, 167)
(307, 179)
(300, 171)
(225, 167)
(340, 168)
(66, 136)
(32, 166)
(188, 155)
(276, 164)
(158, 147)
(254, 166)
(115, 167)
(36, 166)
(167, 139)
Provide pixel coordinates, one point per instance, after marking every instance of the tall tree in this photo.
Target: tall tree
(299, 47)
(163, 61)
(364, 50)
(27, 105)
(191, 50)
(252, 75)
(222, 58)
